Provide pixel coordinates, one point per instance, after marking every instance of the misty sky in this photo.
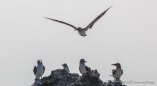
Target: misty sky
(127, 34)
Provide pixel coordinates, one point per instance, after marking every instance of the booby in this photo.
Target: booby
(116, 73)
(83, 68)
(66, 68)
(39, 70)
(82, 31)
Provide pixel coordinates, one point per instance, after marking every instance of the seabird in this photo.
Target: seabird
(39, 70)
(82, 31)
(116, 73)
(83, 68)
(66, 68)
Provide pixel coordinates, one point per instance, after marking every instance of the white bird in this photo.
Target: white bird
(83, 68)
(116, 73)
(66, 68)
(82, 31)
(39, 70)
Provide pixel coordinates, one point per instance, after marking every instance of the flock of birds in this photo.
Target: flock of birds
(39, 69)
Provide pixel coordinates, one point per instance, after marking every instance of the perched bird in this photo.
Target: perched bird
(83, 68)
(82, 31)
(65, 66)
(116, 73)
(39, 70)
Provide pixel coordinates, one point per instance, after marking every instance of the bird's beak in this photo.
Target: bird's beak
(113, 64)
(85, 61)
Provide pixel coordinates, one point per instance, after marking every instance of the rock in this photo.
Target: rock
(115, 83)
(60, 77)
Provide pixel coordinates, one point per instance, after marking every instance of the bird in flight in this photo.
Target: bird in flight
(81, 31)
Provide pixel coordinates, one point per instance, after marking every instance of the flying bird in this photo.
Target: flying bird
(39, 70)
(83, 68)
(82, 31)
(116, 73)
(66, 68)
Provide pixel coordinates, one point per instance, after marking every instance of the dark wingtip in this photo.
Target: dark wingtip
(109, 7)
(46, 17)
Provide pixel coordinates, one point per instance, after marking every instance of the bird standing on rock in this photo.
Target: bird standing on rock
(83, 68)
(82, 31)
(66, 68)
(116, 73)
(39, 70)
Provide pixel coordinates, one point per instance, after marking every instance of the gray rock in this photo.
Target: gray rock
(60, 77)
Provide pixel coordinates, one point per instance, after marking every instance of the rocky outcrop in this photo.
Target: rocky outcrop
(60, 77)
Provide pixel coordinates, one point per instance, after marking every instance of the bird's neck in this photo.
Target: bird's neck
(118, 68)
(82, 64)
(40, 64)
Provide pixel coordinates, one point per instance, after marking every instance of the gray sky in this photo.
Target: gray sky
(126, 34)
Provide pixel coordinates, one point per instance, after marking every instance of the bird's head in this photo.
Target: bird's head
(117, 65)
(64, 65)
(82, 61)
(79, 28)
(39, 62)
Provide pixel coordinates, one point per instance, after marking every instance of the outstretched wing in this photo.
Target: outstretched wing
(43, 69)
(35, 70)
(88, 69)
(113, 71)
(97, 18)
(62, 22)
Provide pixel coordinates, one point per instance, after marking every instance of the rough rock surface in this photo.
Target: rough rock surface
(60, 77)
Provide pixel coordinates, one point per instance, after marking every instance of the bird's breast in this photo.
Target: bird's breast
(82, 69)
(67, 69)
(82, 32)
(39, 71)
(118, 73)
